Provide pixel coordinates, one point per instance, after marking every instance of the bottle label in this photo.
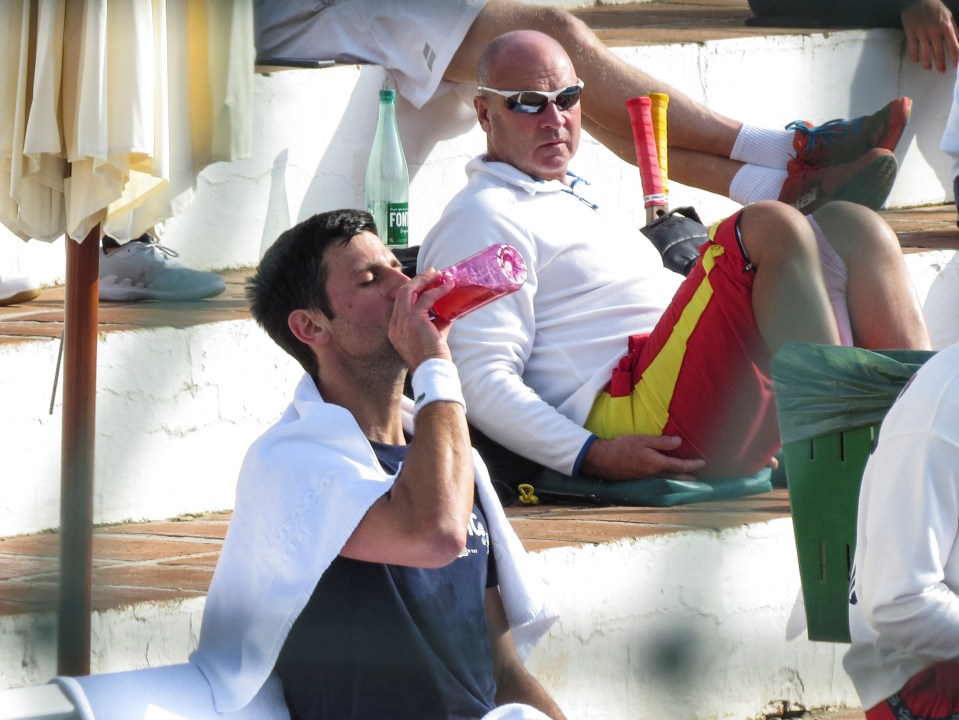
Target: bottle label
(397, 226)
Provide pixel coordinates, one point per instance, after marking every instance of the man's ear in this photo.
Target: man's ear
(309, 326)
(481, 105)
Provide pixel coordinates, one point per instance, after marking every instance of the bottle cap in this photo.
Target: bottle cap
(512, 264)
(387, 95)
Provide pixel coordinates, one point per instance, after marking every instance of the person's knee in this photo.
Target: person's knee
(856, 231)
(772, 231)
(564, 26)
(571, 32)
(501, 16)
(841, 212)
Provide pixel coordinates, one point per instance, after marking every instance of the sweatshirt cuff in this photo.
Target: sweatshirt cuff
(582, 455)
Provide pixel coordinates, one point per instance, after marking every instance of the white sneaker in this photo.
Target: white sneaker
(15, 290)
(147, 271)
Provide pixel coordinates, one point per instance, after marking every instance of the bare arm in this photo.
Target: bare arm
(422, 520)
(631, 457)
(514, 684)
(930, 32)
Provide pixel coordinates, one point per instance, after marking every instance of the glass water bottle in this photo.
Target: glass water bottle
(388, 178)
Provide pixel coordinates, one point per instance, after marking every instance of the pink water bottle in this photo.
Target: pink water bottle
(478, 280)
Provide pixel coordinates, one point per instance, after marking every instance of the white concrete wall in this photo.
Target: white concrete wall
(936, 277)
(144, 635)
(696, 629)
(690, 625)
(176, 410)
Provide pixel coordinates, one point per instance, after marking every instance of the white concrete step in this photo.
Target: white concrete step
(702, 624)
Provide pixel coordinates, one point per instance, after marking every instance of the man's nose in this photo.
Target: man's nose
(552, 116)
(396, 279)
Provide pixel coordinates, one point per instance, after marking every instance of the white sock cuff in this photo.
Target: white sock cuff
(754, 183)
(762, 146)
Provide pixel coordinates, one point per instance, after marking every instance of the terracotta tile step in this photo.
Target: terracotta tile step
(42, 319)
(158, 561)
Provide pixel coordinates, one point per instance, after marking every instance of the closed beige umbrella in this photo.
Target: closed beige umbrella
(108, 109)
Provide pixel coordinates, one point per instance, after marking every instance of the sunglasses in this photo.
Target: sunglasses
(533, 102)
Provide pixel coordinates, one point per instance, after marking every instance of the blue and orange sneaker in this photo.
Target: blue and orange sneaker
(866, 181)
(842, 141)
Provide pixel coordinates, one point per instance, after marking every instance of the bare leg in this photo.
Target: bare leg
(691, 167)
(789, 296)
(609, 81)
(883, 306)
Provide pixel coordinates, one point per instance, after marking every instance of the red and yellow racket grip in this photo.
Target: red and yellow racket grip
(644, 139)
(660, 102)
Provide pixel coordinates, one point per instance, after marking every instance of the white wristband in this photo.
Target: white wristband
(436, 380)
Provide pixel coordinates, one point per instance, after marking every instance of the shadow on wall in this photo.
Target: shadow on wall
(931, 93)
(446, 117)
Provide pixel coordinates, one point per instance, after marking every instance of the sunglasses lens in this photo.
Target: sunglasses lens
(566, 99)
(533, 103)
(529, 103)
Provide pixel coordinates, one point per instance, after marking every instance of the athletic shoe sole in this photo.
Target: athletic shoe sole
(20, 297)
(872, 185)
(126, 292)
(869, 186)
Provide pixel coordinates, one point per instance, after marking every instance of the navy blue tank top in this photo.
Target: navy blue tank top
(377, 642)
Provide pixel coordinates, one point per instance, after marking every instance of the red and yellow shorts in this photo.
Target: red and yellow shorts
(704, 372)
(932, 694)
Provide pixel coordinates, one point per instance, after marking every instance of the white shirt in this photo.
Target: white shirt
(906, 612)
(532, 363)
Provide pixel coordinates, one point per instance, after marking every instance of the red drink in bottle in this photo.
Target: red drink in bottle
(478, 280)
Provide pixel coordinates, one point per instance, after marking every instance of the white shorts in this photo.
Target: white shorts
(836, 275)
(414, 39)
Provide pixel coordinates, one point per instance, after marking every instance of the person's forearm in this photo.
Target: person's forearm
(438, 472)
(434, 490)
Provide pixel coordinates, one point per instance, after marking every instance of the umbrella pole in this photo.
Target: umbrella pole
(76, 463)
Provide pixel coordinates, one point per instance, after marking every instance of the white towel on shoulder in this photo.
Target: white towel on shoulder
(171, 692)
(303, 488)
(180, 692)
(515, 711)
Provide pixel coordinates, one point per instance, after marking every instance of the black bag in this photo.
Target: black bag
(678, 237)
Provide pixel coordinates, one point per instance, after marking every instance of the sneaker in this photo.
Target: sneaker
(16, 290)
(867, 181)
(147, 271)
(842, 141)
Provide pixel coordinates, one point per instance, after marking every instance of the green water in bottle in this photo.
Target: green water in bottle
(388, 177)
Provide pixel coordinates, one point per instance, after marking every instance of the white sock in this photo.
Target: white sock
(762, 146)
(754, 183)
